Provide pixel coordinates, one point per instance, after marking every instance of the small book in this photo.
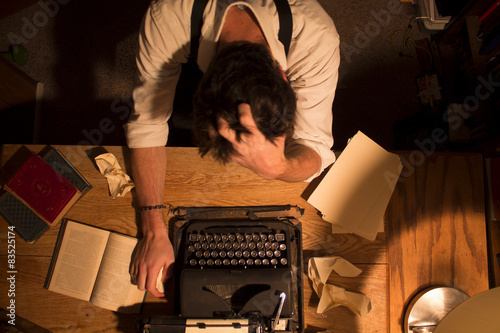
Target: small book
(28, 225)
(41, 188)
(92, 264)
(63, 166)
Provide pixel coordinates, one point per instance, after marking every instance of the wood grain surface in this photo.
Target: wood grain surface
(434, 235)
(436, 230)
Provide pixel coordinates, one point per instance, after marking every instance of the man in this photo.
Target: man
(310, 67)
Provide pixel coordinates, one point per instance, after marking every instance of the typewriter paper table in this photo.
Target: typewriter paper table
(435, 234)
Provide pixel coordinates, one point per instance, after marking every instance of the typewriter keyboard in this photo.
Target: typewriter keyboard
(237, 250)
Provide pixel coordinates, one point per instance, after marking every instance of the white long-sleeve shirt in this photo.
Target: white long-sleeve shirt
(311, 65)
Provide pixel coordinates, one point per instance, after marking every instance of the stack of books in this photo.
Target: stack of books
(40, 193)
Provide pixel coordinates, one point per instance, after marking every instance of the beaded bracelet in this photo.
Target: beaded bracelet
(142, 209)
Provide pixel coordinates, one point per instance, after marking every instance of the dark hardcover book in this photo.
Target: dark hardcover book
(29, 226)
(62, 165)
(43, 189)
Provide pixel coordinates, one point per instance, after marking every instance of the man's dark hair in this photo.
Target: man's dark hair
(241, 72)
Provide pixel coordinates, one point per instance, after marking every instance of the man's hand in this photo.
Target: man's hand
(270, 160)
(254, 151)
(153, 252)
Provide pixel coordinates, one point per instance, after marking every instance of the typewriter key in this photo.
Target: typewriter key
(282, 247)
(265, 262)
(222, 254)
(283, 261)
(220, 246)
(209, 238)
(230, 254)
(202, 262)
(238, 254)
(246, 254)
(262, 254)
(191, 248)
(254, 253)
(198, 254)
(241, 262)
(269, 253)
(258, 262)
(277, 253)
(192, 262)
(217, 238)
(226, 262)
(210, 262)
(214, 254)
(213, 246)
(234, 262)
(231, 238)
(274, 261)
(218, 262)
(280, 237)
(204, 246)
(250, 262)
(206, 254)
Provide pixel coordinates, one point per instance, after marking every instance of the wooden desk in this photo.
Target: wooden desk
(192, 181)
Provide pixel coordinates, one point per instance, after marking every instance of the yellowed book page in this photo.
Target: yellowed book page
(78, 261)
(113, 289)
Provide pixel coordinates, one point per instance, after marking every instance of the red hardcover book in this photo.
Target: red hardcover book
(43, 189)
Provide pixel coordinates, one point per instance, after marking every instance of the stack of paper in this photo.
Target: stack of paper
(355, 192)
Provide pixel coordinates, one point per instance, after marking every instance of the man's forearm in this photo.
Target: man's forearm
(302, 163)
(149, 168)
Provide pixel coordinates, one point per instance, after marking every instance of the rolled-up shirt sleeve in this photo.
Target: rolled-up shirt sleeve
(159, 61)
(314, 75)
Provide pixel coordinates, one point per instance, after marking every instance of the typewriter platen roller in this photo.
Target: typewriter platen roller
(238, 269)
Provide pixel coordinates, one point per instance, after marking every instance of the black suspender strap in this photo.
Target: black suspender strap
(196, 24)
(284, 34)
(286, 23)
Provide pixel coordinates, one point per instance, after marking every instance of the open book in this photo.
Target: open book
(92, 264)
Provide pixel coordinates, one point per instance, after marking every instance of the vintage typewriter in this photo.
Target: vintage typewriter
(238, 269)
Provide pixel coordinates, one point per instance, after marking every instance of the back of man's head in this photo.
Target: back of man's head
(241, 72)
